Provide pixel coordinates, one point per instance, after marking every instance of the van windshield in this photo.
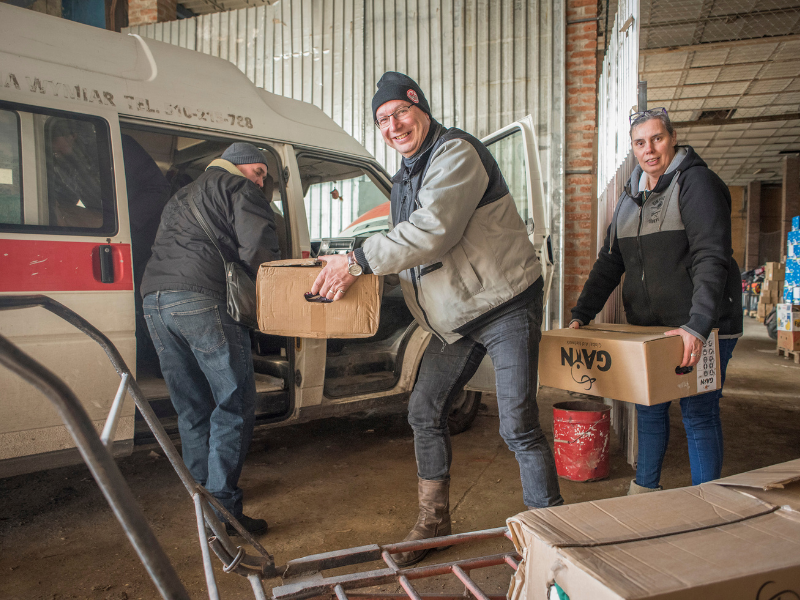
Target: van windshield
(341, 199)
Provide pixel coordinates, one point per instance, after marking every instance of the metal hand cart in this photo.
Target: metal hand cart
(302, 578)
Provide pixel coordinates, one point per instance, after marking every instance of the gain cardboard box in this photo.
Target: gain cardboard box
(736, 538)
(284, 310)
(625, 362)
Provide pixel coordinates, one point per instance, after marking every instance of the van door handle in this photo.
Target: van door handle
(106, 264)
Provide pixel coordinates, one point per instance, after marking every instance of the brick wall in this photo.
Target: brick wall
(141, 12)
(581, 124)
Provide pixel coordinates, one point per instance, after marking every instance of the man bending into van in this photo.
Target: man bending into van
(470, 277)
(204, 354)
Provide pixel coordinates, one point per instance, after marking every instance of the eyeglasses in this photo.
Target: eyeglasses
(653, 112)
(400, 114)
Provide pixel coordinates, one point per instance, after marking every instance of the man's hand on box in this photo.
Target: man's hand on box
(334, 279)
(575, 325)
(692, 347)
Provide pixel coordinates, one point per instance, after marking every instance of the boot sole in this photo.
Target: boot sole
(422, 557)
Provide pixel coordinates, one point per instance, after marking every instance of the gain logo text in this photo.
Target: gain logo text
(582, 361)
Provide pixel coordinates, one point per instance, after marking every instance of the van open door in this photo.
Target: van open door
(516, 150)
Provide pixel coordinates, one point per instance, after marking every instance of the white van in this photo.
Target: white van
(72, 97)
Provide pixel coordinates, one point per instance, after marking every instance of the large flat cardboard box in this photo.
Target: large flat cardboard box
(774, 271)
(789, 340)
(625, 362)
(736, 538)
(283, 309)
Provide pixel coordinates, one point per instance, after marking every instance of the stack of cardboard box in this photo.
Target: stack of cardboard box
(771, 289)
(788, 313)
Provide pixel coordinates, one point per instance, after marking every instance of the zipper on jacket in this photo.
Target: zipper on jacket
(641, 261)
(424, 314)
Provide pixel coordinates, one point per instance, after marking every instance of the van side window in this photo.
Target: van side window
(10, 169)
(62, 176)
(341, 199)
(509, 152)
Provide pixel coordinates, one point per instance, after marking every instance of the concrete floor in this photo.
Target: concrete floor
(346, 482)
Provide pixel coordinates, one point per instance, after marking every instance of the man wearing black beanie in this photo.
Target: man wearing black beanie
(470, 276)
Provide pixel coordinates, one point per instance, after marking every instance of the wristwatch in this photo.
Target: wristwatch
(353, 267)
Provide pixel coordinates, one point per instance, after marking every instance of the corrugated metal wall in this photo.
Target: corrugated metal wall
(481, 63)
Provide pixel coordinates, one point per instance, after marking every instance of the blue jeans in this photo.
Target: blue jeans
(207, 365)
(703, 432)
(512, 341)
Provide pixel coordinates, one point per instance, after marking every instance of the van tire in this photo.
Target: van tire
(463, 412)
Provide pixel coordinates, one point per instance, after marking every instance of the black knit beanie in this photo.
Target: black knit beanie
(397, 86)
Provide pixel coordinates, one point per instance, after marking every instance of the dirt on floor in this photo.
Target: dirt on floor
(345, 482)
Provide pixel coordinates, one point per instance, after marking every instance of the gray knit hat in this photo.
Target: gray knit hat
(242, 153)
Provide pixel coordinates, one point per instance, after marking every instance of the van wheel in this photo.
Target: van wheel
(463, 412)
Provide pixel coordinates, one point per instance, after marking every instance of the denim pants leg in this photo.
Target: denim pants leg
(703, 432)
(444, 371)
(207, 365)
(512, 342)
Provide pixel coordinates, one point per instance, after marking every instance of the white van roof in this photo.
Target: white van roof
(151, 81)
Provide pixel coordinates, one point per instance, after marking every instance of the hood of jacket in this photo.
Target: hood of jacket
(685, 159)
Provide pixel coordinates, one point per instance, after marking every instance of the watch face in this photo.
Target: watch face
(355, 269)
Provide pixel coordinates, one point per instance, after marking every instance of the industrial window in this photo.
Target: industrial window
(59, 172)
(10, 169)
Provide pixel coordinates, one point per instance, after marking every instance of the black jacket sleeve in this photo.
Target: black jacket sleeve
(604, 277)
(255, 227)
(705, 204)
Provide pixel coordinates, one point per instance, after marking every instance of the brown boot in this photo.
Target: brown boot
(433, 520)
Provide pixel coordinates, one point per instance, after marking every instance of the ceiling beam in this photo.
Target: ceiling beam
(743, 120)
(722, 82)
(776, 39)
(728, 18)
(720, 65)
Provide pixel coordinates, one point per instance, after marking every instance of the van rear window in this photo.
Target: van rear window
(55, 173)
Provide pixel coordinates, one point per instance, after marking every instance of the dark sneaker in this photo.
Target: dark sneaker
(254, 526)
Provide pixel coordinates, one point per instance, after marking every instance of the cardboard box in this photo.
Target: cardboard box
(770, 285)
(283, 309)
(789, 340)
(788, 316)
(764, 308)
(774, 271)
(625, 362)
(773, 296)
(736, 538)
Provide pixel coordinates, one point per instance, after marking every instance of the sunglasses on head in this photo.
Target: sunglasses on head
(652, 112)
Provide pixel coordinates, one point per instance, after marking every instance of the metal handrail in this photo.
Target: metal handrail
(96, 453)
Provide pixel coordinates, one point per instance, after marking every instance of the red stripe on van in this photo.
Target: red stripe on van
(55, 266)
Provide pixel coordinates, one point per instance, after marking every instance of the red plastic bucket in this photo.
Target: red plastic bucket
(581, 438)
